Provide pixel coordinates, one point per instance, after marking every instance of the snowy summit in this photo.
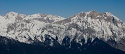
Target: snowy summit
(28, 28)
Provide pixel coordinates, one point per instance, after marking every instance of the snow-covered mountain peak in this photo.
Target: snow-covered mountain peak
(84, 25)
(111, 15)
(11, 15)
(93, 24)
(34, 16)
(107, 16)
(14, 24)
(47, 18)
(14, 15)
(94, 14)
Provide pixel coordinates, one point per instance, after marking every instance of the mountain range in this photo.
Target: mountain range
(85, 32)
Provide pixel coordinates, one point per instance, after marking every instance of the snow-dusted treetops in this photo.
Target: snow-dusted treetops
(27, 28)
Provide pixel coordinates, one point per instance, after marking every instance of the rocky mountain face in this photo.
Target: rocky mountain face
(55, 30)
(11, 46)
(92, 24)
(23, 27)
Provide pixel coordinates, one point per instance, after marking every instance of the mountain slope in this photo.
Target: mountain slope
(18, 26)
(92, 24)
(10, 46)
(45, 28)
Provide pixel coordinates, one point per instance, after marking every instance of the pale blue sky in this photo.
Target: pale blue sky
(63, 8)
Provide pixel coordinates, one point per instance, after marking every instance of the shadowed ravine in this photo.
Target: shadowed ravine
(10, 46)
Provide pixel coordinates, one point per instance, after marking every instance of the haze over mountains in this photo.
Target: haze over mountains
(85, 28)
